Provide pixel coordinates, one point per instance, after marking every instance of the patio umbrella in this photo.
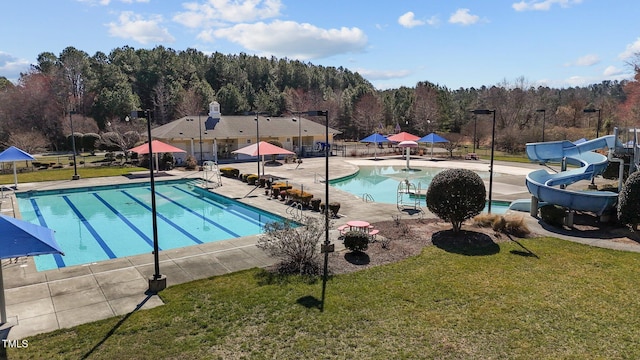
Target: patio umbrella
(263, 148)
(157, 146)
(407, 144)
(403, 136)
(375, 138)
(433, 138)
(14, 154)
(21, 238)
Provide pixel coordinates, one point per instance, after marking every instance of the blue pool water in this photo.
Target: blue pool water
(381, 183)
(101, 223)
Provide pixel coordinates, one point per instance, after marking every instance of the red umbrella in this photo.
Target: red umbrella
(403, 136)
(157, 147)
(265, 149)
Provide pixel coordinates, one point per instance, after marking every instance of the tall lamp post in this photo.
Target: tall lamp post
(299, 121)
(591, 110)
(157, 282)
(475, 123)
(493, 138)
(598, 123)
(258, 141)
(544, 115)
(73, 147)
(327, 247)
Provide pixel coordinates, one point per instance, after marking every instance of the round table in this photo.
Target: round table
(358, 225)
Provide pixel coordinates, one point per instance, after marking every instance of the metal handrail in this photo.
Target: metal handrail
(366, 197)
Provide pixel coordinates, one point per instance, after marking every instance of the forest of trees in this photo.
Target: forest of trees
(99, 91)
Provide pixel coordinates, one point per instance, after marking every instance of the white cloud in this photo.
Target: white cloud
(462, 17)
(295, 40)
(11, 66)
(612, 71)
(107, 2)
(545, 5)
(631, 50)
(408, 20)
(433, 21)
(587, 60)
(227, 11)
(131, 26)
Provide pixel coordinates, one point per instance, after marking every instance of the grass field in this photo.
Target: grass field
(570, 301)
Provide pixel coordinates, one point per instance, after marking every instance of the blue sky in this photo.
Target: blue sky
(454, 43)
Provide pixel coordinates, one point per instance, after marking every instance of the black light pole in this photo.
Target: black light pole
(299, 121)
(73, 147)
(200, 132)
(493, 138)
(258, 142)
(544, 115)
(157, 282)
(475, 123)
(598, 123)
(327, 247)
(591, 110)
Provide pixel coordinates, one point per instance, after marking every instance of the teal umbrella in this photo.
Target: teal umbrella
(433, 138)
(14, 154)
(375, 138)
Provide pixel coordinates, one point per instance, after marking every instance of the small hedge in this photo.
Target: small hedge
(356, 241)
(252, 178)
(230, 172)
(302, 197)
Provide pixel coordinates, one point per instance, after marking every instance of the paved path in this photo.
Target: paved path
(44, 301)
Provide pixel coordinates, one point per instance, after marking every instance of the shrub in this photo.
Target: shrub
(190, 162)
(629, 202)
(228, 172)
(356, 241)
(251, 179)
(553, 215)
(456, 195)
(296, 247)
(315, 204)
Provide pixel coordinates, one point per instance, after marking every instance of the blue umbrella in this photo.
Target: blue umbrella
(375, 138)
(21, 238)
(14, 154)
(433, 138)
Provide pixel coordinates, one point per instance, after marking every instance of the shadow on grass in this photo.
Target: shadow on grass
(113, 329)
(524, 252)
(275, 277)
(310, 302)
(357, 258)
(465, 242)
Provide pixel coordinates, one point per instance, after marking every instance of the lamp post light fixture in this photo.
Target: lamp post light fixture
(591, 110)
(327, 247)
(73, 147)
(493, 141)
(544, 115)
(598, 123)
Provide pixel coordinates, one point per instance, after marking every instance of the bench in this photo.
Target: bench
(472, 156)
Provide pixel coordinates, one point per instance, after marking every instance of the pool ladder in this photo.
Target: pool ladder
(366, 197)
(295, 211)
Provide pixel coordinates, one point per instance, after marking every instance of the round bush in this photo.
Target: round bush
(356, 241)
(629, 201)
(456, 195)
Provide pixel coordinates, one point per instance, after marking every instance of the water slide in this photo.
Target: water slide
(549, 187)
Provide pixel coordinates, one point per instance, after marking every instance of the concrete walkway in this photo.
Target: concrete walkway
(44, 301)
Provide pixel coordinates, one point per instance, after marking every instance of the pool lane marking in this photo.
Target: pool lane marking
(164, 218)
(228, 231)
(92, 231)
(126, 221)
(231, 211)
(57, 257)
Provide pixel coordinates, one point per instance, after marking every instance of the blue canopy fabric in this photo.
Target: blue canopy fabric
(375, 138)
(20, 238)
(14, 154)
(433, 138)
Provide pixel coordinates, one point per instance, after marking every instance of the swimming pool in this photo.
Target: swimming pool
(107, 222)
(381, 184)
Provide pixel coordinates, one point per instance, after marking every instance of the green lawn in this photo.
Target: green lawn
(571, 301)
(67, 173)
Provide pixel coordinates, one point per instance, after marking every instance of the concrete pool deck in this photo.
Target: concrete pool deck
(44, 301)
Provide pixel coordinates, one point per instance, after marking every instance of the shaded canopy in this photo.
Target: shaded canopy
(433, 138)
(375, 138)
(14, 154)
(408, 143)
(265, 149)
(157, 146)
(403, 136)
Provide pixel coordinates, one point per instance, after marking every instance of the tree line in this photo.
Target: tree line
(99, 91)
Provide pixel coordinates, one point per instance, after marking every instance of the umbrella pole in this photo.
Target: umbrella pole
(15, 176)
(431, 151)
(406, 150)
(3, 310)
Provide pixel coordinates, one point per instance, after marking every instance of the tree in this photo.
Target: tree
(629, 202)
(456, 195)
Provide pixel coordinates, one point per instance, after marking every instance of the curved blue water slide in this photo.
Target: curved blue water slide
(542, 184)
